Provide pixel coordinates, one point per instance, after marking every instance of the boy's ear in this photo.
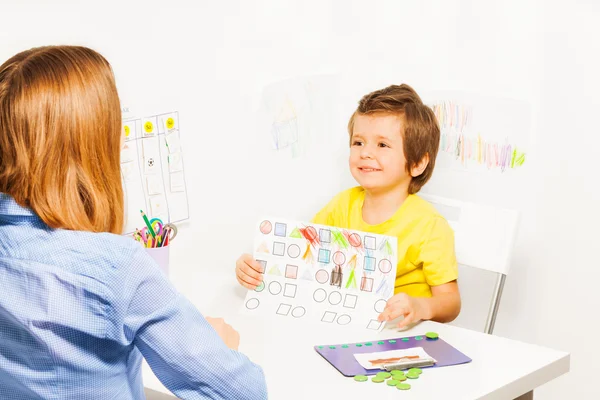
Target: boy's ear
(419, 167)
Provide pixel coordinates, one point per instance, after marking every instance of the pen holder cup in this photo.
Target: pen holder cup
(161, 256)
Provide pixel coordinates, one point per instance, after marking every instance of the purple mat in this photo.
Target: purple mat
(342, 358)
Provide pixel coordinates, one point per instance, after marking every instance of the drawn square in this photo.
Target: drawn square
(284, 309)
(285, 133)
(158, 206)
(370, 242)
(149, 127)
(263, 264)
(369, 263)
(290, 290)
(280, 229)
(350, 301)
(291, 271)
(151, 157)
(127, 153)
(325, 235)
(278, 249)
(328, 316)
(366, 284)
(128, 170)
(374, 324)
(168, 123)
(324, 256)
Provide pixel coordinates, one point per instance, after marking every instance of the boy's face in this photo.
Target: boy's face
(377, 159)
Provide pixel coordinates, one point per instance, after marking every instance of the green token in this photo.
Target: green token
(405, 339)
(320, 347)
(332, 347)
(383, 375)
(400, 378)
(380, 342)
(392, 382)
(418, 337)
(344, 346)
(415, 371)
(392, 341)
(375, 379)
(358, 345)
(431, 335)
(360, 378)
(368, 344)
(395, 372)
(403, 386)
(412, 375)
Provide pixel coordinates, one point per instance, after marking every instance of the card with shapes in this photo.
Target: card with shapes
(322, 273)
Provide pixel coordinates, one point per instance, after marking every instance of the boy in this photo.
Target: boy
(394, 140)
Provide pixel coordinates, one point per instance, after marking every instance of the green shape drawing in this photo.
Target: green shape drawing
(296, 233)
(275, 270)
(339, 239)
(351, 280)
(386, 247)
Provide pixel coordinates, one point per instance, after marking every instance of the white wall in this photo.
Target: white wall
(211, 60)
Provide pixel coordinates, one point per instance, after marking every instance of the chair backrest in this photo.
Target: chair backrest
(484, 235)
(484, 238)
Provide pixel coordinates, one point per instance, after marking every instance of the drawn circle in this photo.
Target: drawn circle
(260, 287)
(354, 239)
(335, 298)
(265, 227)
(319, 295)
(127, 130)
(339, 258)
(344, 319)
(385, 266)
(380, 305)
(294, 250)
(322, 276)
(275, 287)
(170, 123)
(148, 127)
(311, 233)
(298, 312)
(252, 304)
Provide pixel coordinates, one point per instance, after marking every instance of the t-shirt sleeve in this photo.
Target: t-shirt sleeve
(438, 255)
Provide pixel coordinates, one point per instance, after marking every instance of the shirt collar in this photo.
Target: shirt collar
(8, 206)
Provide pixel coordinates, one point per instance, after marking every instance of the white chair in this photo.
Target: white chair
(484, 239)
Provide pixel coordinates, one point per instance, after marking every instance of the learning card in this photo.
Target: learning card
(322, 273)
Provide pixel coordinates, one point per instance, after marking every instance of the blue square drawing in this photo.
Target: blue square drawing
(324, 256)
(280, 229)
(369, 264)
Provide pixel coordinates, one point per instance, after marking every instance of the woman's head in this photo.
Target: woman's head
(60, 135)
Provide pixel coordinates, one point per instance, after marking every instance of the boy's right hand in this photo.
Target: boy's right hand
(248, 272)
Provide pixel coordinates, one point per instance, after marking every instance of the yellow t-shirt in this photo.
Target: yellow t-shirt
(426, 255)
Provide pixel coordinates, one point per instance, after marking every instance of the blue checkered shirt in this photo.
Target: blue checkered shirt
(79, 310)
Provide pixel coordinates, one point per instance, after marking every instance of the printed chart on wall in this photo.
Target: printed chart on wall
(322, 274)
(152, 170)
(484, 146)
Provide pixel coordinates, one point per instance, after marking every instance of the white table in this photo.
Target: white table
(501, 368)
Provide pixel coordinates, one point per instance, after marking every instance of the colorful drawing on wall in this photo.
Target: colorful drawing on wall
(322, 273)
(470, 143)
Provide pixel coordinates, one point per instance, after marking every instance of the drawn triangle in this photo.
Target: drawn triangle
(307, 275)
(351, 282)
(296, 233)
(388, 248)
(275, 270)
(263, 248)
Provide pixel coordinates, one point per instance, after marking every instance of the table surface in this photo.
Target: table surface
(501, 368)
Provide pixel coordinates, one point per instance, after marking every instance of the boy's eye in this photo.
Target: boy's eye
(357, 143)
(383, 145)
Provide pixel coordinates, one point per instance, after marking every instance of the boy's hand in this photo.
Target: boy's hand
(229, 335)
(248, 272)
(414, 309)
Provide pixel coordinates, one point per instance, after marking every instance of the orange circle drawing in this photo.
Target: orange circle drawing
(265, 227)
(385, 266)
(354, 240)
(339, 258)
(311, 233)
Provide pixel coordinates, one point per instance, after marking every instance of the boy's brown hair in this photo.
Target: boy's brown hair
(60, 137)
(421, 133)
